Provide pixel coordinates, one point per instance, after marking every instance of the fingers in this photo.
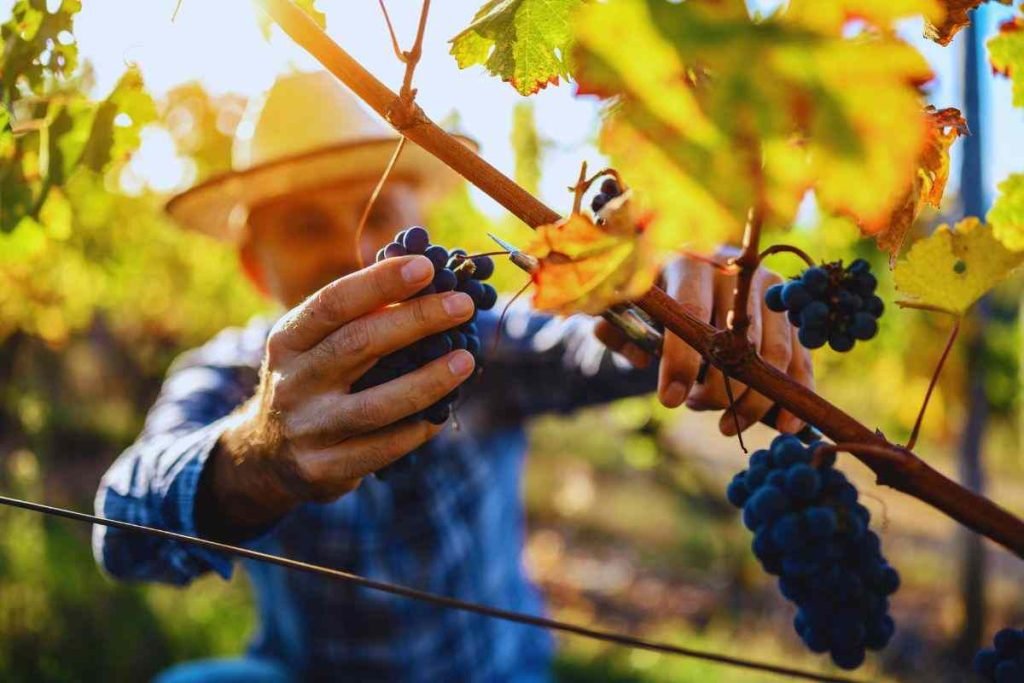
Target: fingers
(327, 473)
(801, 368)
(617, 341)
(776, 350)
(691, 283)
(345, 354)
(348, 298)
(711, 394)
(337, 417)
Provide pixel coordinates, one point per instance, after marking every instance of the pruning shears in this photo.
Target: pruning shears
(640, 330)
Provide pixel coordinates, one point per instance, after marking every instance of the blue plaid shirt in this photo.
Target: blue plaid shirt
(454, 526)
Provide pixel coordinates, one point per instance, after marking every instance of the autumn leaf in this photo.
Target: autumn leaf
(714, 111)
(955, 19)
(835, 15)
(523, 42)
(307, 6)
(953, 267)
(929, 183)
(1007, 214)
(1006, 52)
(586, 267)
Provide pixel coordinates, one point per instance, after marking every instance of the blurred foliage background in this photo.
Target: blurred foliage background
(628, 523)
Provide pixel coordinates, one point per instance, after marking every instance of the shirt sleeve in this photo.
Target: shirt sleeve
(537, 363)
(155, 481)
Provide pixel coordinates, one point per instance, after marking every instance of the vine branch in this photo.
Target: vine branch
(897, 468)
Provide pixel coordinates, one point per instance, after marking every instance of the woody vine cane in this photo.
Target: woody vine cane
(893, 464)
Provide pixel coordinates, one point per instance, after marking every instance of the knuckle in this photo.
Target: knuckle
(351, 339)
(369, 413)
(421, 313)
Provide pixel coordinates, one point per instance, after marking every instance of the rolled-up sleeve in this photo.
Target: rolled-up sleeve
(156, 480)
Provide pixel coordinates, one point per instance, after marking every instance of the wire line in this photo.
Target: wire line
(440, 600)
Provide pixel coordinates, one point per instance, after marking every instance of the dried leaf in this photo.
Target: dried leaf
(956, 18)
(929, 183)
(953, 267)
(587, 267)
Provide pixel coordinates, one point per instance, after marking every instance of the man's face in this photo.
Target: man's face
(299, 243)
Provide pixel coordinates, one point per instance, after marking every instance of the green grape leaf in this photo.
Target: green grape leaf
(714, 110)
(524, 42)
(953, 267)
(834, 15)
(1007, 214)
(36, 44)
(118, 123)
(956, 18)
(1006, 52)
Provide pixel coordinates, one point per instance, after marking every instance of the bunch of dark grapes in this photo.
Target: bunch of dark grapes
(810, 531)
(831, 304)
(1003, 663)
(609, 190)
(452, 271)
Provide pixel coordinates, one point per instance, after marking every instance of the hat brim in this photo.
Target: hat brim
(213, 206)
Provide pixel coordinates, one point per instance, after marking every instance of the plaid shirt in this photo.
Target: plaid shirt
(455, 526)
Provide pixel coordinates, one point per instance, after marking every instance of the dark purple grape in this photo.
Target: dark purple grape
(394, 250)
(438, 255)
(598, 202)
(610, 187)
(484, 267)
(474, 289)
(416, 240)
(488, 298)
(445, 280)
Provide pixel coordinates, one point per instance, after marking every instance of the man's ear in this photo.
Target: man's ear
(252, 267)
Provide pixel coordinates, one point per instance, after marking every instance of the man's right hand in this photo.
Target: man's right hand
(304, 436)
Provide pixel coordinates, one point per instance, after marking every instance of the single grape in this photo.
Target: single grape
(874, 306)
(864, 326)
(816, 279)
(598, 202)
(474, 289)
(488, 298)
(394, 250)
(444, 280)
(795, 295)
(610, 187)
(812, 337)
(484, 267)
(773, 299)
(814, 314)
(416, 240)
(840, 341)
(438, 255)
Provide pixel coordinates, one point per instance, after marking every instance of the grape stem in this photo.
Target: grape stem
(785, 248)
(895, 467)
(373, 200)
(931, 385)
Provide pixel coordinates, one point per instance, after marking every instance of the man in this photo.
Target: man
(256, 437)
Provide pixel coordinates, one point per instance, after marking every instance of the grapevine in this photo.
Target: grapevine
(810, 531)
(453, 271)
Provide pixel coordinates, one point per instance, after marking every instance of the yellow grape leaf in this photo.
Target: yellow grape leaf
(1006, 52)
(929, 183)
(956, 18)
(833, 15)
(953, 267)
(587, 267)
(714, 109)
(1007, 214)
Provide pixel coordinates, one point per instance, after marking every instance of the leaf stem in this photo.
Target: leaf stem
(785, 248)
(931, 385)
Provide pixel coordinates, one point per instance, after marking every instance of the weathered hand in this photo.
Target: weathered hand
(305, 436)
(706, 292)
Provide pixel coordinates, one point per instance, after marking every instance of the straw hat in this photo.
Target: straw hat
(307, 132)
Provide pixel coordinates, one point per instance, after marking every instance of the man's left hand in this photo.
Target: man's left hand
(706, 292)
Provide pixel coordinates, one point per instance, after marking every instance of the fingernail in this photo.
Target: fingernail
(793, 424)
(729, 423)
(674, 394)
(417, 270)
(461, 363)
(457, 304)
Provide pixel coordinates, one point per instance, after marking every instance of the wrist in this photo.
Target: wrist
(240, 494)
